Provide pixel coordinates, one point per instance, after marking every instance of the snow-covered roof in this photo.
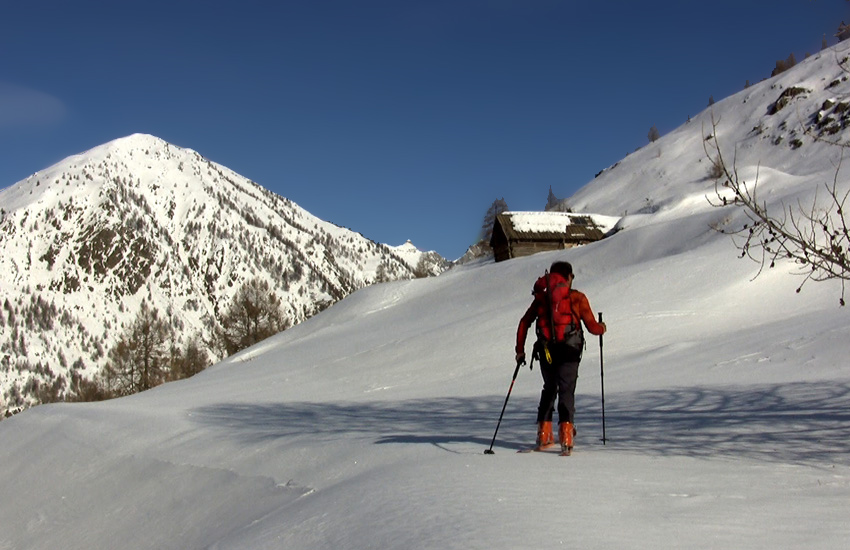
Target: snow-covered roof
(554, 223)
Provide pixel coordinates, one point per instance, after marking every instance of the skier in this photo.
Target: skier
(557, 305)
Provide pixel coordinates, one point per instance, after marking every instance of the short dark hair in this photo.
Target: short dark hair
(562, 268)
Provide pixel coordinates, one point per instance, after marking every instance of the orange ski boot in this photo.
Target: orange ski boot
(545, 438)
(566, 431)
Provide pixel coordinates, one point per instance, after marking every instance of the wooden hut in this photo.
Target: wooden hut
(518, 234)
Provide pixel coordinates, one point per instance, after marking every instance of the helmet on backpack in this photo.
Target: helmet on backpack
(564, 269)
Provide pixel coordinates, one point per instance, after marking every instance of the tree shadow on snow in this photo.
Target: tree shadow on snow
(788, 423)
(443, 422)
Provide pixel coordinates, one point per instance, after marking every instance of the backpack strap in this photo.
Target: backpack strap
(551, 309)
(574, 319)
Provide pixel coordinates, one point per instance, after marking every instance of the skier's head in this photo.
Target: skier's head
(562, 268)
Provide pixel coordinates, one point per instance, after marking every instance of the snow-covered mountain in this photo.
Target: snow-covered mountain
(726, 397)
(86, 240)
(424, 264)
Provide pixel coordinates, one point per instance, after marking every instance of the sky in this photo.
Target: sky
(402, 120)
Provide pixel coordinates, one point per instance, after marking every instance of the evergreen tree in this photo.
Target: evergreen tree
(551, 201)
(653, 135)
(498, 206)
(784, 65)
(843, 32)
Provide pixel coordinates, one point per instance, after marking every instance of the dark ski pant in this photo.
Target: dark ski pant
(559, 381)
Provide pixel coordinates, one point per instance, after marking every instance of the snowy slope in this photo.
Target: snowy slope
(674, 169)
(364, 427)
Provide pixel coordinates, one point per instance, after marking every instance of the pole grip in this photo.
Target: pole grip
(602, 384)
(600, 336)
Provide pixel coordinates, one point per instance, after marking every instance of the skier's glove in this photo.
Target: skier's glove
(520, 358)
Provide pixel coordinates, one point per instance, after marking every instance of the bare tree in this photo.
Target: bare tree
(383, 273)
(254, 314)
(139, 361)
(188, 361)
(814, 236)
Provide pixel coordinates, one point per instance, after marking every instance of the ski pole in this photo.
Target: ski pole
(516, 371)
(602, 381)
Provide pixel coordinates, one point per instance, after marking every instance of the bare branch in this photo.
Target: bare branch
(814, 237)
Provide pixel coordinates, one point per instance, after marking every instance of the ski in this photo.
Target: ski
(547, 449)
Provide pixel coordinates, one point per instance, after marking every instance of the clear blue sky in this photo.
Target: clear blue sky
(400, 119)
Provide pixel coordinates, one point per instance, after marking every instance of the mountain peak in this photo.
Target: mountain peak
(140, 219)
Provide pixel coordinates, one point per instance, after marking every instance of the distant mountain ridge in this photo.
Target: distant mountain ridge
(86, 240)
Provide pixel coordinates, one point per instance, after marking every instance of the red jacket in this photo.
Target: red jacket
(539, 309)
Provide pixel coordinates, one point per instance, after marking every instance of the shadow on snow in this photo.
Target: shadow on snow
(789, 423)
